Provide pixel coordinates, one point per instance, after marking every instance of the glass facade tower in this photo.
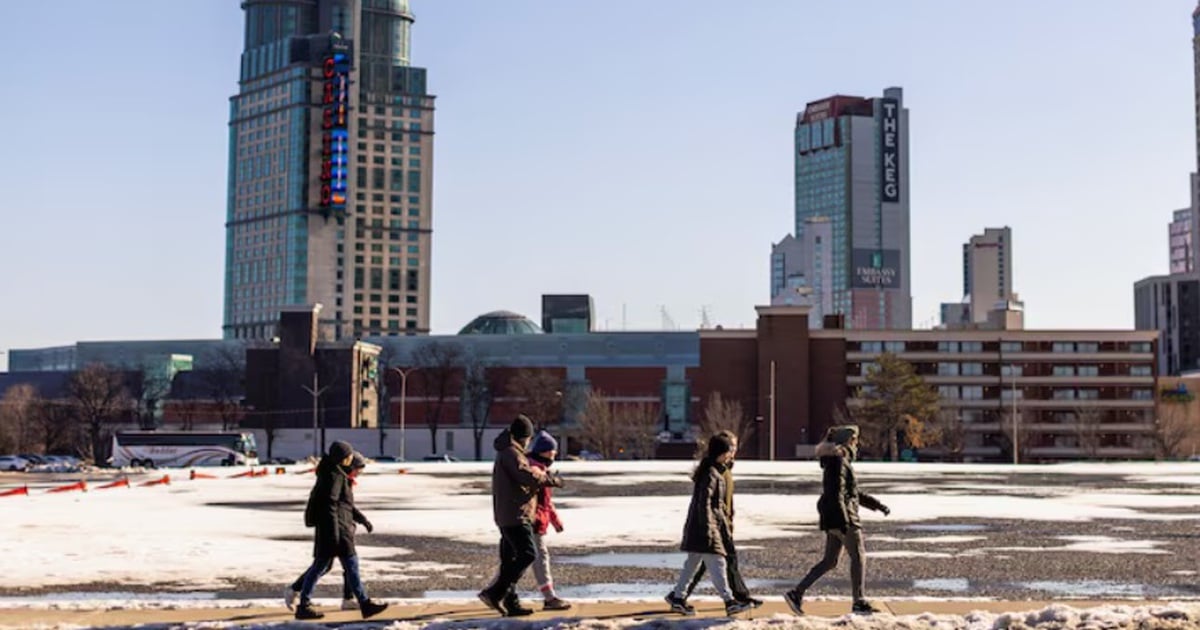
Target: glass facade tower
(330, 170)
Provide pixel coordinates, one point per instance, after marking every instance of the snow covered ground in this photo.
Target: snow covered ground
(210, 534)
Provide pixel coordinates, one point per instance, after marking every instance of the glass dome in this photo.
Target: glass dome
(501, 323)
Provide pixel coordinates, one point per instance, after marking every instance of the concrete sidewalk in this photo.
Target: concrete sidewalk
(417, 612)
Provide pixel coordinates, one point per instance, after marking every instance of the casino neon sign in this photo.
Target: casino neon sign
(335, 133)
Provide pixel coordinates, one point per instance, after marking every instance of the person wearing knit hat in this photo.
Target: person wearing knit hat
(331, 512)
(515, 488)
(542, 452)
(838, 511)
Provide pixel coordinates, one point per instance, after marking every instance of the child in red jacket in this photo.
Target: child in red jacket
(542, 451)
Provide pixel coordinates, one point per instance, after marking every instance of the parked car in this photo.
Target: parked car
(36, 460)
(440, 458)
(14, 463)
(387, 459)
(281, 461)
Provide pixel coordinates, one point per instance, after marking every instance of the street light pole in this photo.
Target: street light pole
(316, 394)
(403, 396)
(772, 411)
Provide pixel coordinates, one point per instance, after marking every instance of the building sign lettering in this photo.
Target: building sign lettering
(889, 154)
(335, 131)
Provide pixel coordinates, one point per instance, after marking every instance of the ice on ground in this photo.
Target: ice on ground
(211, 534)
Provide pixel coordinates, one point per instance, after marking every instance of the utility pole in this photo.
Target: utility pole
(771, 400)
(403, 405)
(315, 392)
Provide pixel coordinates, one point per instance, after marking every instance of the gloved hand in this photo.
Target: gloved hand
(885, 509)
(558, 527)
(556, 480)
(369, 526)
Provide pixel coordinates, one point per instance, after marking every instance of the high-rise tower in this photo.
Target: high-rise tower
(330, 171)
(852, 169)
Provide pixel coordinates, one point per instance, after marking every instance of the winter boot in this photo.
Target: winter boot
(513, 608)
(554, 603)
(305, 611)
(679, 604)
(370, 608)
(752, 602)
(733, 607)
(491, 601)
(795, 601)
(864, 607)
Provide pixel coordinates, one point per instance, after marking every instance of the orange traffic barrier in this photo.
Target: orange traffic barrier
(120, 483)
(195, 475)
(79, 485)
(403, 471)
(247, 473)
(306, 471)
(280, 470)
(15, 492)
(165, 481)
(260, 473)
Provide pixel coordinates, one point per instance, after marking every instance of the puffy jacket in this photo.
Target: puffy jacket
(840, 497)
(331, 505)
(546, 515)
(707, 526)
(515, 483)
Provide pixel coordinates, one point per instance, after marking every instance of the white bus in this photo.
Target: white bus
(153, 449)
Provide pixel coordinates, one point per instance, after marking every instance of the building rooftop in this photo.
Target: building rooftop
(501, 323)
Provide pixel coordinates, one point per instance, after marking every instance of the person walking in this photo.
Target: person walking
(737, 585)
(838, 511)
(542, 452)
(707, 528)
(515, 488)
(330, 510)
(292, 593)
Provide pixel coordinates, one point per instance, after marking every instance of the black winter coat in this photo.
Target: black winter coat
(332, 503)
(840, 497)
(707, 526)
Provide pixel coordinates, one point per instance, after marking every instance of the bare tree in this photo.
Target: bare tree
(223, 382)
(440, 363)
(100, 397)
(541, 394)
(481, 387)
(57, 427)
(1014, 426)
(599, 430)
(637, 426)
(1174, 429)
(1087, 430)
(950, 433)
(723, 414)
(18, 416)
(385, 361)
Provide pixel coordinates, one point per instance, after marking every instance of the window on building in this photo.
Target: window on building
(948, 369)
(1088, 370)
(948, 392)
(948, 346)
(1140, 370)
(1064, 370)
(1063, 346)
(973, 392)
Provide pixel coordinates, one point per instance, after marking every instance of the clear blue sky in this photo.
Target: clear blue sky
(638, 151)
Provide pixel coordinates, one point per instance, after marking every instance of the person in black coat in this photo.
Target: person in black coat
(707, 528)
(331, 511)
(838, 511)
(292, 592)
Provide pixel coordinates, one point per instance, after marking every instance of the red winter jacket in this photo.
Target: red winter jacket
(546, 515)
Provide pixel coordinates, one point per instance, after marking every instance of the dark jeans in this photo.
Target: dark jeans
(733, 575)
(835, 540)
(347, 592)
(321, 564)
(517, 552)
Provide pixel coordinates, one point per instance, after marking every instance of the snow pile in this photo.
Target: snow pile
(1055, 617)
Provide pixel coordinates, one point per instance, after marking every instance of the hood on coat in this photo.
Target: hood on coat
(830, 449)
(502, 441)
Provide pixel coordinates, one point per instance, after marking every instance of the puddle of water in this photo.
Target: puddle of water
(632, 560)
(581, 591)
(946, 527)
(956, 585)
(1087, 588)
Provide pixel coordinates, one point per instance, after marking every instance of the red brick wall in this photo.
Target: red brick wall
(784, 340)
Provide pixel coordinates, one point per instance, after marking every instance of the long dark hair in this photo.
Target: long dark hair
(718, 445)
